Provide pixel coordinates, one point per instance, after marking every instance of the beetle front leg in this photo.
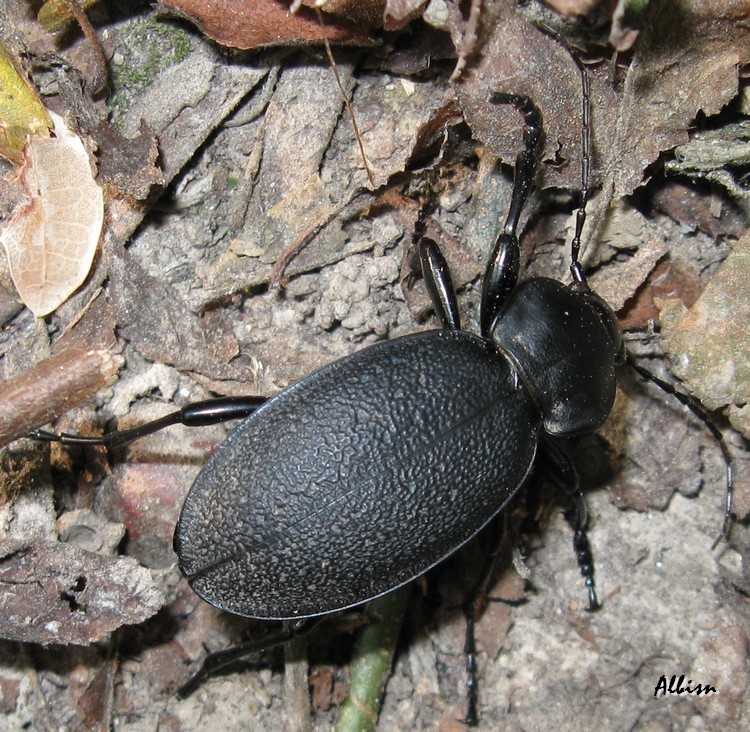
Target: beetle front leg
(501, 275)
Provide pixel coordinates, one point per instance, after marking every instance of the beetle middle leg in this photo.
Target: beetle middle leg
(556, 464)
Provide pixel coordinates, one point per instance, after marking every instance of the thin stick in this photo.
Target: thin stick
(100, 82)
(347, 102)
(52, 388)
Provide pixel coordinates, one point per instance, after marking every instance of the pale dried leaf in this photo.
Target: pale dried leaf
(52, 238)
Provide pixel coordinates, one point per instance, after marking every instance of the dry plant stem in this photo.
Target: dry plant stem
(470, 40)
(348, 104)
(100, 82)
(296, 683)
(52, 388)
(77, 319)
(293, 249)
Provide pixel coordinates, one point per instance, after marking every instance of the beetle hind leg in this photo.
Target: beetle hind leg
(197, 414)
(473, 607)
(214, 662)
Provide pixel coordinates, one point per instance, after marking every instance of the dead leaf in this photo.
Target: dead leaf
(128, 164)
(724, 661)
(521, 59)
(709, 344)
(572, 7)
(365, 12)
(666, 279)
(697, 207)
(153, 317)
(62, 594)
(52, 238)
(55, 15)
(686, 62)
(22, 113)
(626, 230)
(94, 693)
(626, 23)
(660, 451)
(398, 13)
(263, 23)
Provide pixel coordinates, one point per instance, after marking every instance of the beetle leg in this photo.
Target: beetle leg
(219, 660)
(694, 406)
(439, 283)
(197, 414)
(501, 275)
(473, 608)
(557, 465)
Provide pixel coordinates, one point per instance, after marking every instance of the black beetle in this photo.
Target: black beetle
(345, 486)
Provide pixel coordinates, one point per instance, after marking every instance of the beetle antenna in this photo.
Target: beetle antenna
(576, 271)
(695, 407)
(580, 283)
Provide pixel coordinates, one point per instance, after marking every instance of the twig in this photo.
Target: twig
(100, 82)
(53, 387)
(295, 247)
(347, 102)
(371, 662)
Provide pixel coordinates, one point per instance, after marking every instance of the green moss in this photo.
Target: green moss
(146, 46)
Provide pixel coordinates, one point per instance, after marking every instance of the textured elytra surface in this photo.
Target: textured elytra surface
(358, 478)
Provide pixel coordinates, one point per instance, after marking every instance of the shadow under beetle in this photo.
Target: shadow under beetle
(365, 474)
